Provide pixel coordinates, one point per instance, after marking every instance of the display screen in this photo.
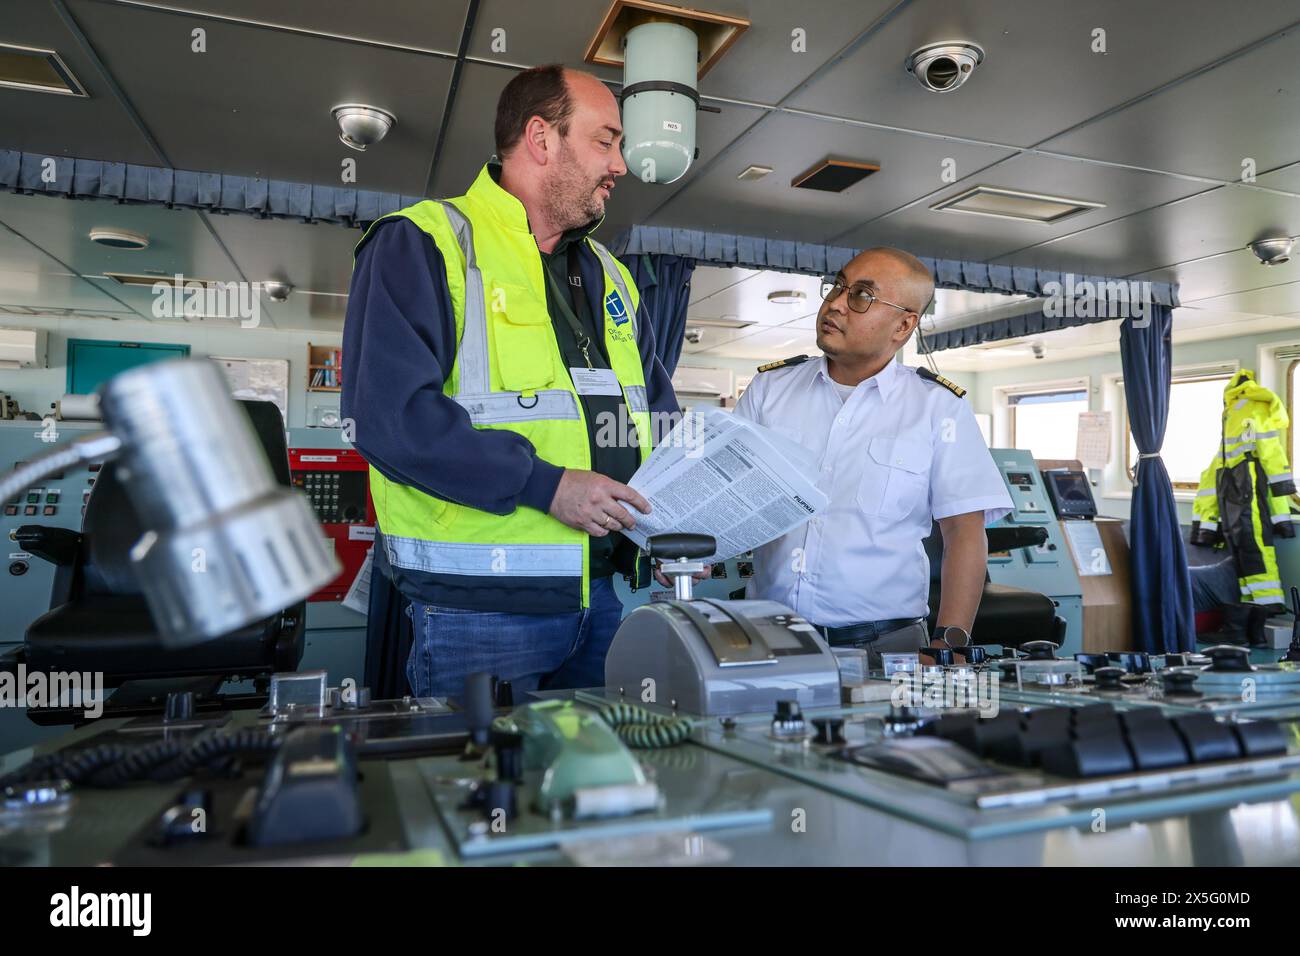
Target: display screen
(1072, 494)
(1024, 479)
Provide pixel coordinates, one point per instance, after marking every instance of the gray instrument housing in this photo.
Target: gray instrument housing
(715, 658)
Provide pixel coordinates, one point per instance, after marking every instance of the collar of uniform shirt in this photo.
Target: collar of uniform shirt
(885, 379)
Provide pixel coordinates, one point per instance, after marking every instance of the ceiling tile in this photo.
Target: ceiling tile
(910, 166)
(95, 125)
(258, 102)
(1207, 126)
(403, 24)
(1219, 220)
(1040, 76)
(960, 235)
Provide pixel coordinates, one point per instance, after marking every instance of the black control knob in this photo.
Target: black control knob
(974, 653)
(1228, 657)
(1039, 650)
(1179, 683)
(479, 707)
(1109, 678)
(1091, 662)
(788, 710)
(830, 730)
(179, 707)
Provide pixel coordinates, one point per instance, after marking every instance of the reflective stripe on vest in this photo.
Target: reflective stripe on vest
(527, 560)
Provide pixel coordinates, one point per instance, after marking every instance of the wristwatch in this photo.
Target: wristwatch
(951, 635)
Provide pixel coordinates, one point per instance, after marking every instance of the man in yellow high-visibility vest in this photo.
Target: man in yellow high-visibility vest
(502, 384)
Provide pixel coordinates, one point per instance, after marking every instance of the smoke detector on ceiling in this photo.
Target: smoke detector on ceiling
(361, 125)
(118, 238)
(942, 67)
(1272, 252)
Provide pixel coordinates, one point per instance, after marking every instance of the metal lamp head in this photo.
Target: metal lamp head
(276, 290)
(361, 125)
(225, 545)
(1273, 252)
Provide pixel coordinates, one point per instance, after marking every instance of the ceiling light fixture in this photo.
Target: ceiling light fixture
(1014, 204)
(38, 71)
(361, 125)
(1272, 252)
(752, 173)
(118, 238)
(786, 297)
(724, 323)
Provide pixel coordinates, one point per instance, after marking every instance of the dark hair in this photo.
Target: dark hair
(540, 91)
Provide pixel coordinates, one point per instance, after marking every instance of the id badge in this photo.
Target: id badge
(595, 381)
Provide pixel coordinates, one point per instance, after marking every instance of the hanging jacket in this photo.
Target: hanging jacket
(1243, 497)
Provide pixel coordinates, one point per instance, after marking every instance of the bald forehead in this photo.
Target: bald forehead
(893, 271)
(590, 93)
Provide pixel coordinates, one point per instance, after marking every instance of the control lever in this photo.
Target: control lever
(1228, 657)
(478, 713)
(1039, 650)
(1179, 684)
(680, 554)
(503, 694)
(1109, 678)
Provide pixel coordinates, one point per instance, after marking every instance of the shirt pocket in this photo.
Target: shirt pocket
(895, 477)
(522, 337)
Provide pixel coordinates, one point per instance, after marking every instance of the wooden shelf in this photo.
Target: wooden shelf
(327, 362)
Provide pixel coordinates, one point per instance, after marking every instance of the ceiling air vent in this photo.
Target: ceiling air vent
(41, 71)
(834, 175)
(1012, 204)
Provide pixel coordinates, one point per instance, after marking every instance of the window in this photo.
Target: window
(1192, 432)
(1047, 423)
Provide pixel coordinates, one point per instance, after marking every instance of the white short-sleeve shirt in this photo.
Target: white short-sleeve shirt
(899, 452)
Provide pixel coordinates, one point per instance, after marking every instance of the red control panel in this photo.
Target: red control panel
(337, 484)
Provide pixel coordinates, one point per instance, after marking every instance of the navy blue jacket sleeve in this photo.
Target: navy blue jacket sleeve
(399, 343)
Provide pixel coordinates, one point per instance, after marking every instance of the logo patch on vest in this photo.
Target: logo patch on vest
(615, 309)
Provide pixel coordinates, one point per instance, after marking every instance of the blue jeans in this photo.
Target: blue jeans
(532, 651)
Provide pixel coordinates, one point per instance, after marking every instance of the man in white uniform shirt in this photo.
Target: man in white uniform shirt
(897, 447)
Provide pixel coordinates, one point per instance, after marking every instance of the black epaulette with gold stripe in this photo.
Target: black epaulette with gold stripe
(795, 360)
(953, 387)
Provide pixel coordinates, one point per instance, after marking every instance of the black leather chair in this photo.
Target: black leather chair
(99, 620)
(1007, 616)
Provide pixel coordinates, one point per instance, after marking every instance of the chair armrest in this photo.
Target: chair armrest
(59, 546)
(1023, 536)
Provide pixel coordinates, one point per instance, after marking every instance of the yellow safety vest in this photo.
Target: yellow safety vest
(508, 373)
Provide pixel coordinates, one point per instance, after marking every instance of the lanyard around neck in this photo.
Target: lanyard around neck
(579, 333)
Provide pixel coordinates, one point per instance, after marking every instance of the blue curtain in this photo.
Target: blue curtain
(1163, 619)
(665, 286)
